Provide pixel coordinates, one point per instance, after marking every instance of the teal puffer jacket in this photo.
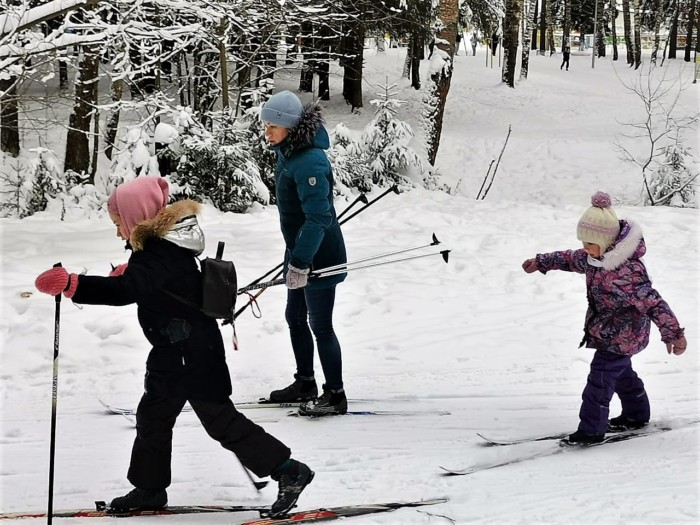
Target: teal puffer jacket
(304, 181)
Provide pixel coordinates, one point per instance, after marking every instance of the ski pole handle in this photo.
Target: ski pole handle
(58, 296)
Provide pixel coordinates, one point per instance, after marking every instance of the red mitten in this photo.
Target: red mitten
(117, 271)
(678, 346)
(57, 280)
(530, 265)
(53, 281)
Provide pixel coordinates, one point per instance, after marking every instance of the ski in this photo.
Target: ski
(562, 446)
(187, 408)
(101, 510)
(507, 442)
(375, 413)
(348, 511)
(504, 442)
(244, 405)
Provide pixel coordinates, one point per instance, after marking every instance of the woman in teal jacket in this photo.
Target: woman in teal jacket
(313, 241)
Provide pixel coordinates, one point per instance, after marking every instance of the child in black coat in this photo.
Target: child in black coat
(187, 361)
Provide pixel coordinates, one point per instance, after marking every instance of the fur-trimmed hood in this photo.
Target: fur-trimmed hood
(629, 245)
(309, 132)
(176, 223)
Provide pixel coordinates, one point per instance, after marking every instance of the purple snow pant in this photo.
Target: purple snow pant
(611, 374)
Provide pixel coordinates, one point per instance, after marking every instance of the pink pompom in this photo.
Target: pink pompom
(601, 200)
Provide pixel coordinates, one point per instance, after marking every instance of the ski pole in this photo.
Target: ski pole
(349, 267)
(257, 484)
(444, 253)
(54, 400)
(373, 257)
(394, 189)
(360, 198)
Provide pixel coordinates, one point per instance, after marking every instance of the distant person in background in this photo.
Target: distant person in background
(458, 40)
(566, 53)
(494, 43)
(621, 305)
(474, 40)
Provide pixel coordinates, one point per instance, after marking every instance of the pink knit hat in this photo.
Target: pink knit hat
(138, 200)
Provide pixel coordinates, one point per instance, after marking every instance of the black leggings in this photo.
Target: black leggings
(155, 418)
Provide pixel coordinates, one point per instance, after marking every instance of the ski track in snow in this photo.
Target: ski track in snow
(476, 337)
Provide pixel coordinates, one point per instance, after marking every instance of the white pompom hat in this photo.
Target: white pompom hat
(599, 225)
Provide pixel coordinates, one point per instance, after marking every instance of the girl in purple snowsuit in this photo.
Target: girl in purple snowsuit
(621, 305)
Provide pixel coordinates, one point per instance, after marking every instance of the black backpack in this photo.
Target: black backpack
(219, 287)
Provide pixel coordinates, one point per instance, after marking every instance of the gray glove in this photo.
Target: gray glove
(296, 278)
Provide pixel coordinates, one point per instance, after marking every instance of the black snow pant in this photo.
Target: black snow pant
(565, 60)
(257, 450)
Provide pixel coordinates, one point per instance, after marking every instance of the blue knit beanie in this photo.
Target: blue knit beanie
(282, 109)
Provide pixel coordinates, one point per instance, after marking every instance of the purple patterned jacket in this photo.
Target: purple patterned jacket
(621, 300)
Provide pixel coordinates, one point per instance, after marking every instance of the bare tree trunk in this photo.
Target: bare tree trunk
(306, 78)
(567, 24)
(9, 117)
(550, 27)
(323, 64)
(673, 33)
(223, 62)
(600, 30)
(629, 41)
(637, 34)
(528, 7)
(543, 27)
(113, 118)
(417, 53)
(77, 156)
(408, 61)
(62, 71)
(510, 40)
(324, 69)
(534, 25)
(448, 11)
(689, 37)
(352, 72)
(657, 27)
(613, 17)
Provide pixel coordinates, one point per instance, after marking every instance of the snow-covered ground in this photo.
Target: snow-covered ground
(476, 337)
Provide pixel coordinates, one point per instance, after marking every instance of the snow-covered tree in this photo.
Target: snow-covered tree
(218, 167)
(381, 154)
(675, 180)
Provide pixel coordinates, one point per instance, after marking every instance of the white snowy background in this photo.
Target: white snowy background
(478, 338)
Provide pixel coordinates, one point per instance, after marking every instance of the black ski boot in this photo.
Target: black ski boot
(300, 390)
(331, 403)
(140, 499)
(622, 423)
(582, 438)
(292, 477)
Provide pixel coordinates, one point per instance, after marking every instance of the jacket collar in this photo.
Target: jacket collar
(168, 223)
